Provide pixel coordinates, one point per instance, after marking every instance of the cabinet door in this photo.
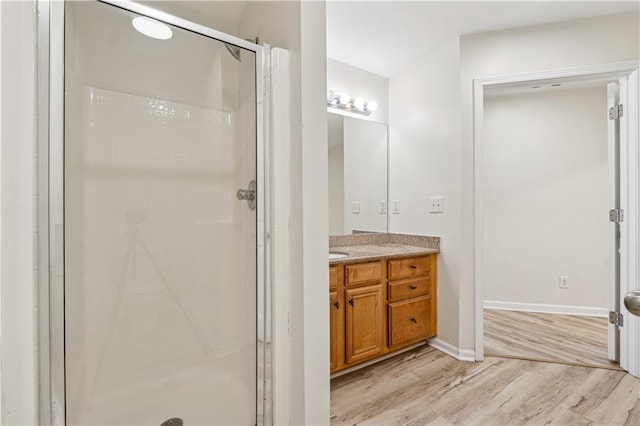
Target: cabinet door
(365, 322)
(336, 331)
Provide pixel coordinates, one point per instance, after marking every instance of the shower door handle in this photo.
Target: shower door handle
(248, 194)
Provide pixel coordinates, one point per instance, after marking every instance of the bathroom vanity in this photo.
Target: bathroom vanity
(382, 296)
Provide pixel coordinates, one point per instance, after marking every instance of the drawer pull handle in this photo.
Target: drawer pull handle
(351, 302)
(413, 320)
(337, 305)
(413, 287)
(413, 267)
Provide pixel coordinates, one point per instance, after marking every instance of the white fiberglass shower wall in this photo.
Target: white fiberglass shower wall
(161, 269)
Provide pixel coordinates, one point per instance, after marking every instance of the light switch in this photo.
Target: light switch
(383, 207)
(395, 209)
(355, 207)
(437, 204)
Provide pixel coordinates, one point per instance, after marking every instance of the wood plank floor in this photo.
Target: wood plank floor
(573, 339)
(425, 386)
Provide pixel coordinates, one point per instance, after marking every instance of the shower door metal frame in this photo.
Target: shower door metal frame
(50, 221)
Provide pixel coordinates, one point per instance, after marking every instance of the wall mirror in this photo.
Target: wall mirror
(357, 175)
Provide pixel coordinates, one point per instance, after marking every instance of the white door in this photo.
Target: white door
(624, 126)
(613, 145)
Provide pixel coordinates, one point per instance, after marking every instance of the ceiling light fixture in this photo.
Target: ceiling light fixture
(152, 28)
(344, 102)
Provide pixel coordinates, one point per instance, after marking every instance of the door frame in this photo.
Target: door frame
(50, 217)
(630, 157)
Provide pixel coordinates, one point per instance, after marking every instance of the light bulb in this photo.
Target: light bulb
(372, 106)
(359, 103)
(344, 99)
(152, 28)
(330, 95)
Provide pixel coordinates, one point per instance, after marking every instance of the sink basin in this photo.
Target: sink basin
(335, 255)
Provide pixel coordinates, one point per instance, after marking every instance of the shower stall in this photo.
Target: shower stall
(155, 209)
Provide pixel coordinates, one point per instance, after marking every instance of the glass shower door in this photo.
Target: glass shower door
(160, 286)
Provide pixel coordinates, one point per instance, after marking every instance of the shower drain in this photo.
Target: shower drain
(175, 421)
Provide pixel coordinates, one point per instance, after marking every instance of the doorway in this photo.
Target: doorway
(156, 219)
(546, 251)
(626, 75)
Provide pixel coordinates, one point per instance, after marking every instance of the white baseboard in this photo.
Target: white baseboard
(451, 350)
(548, 309)
(467, 355)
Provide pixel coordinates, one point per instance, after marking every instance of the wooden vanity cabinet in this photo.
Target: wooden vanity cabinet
(380, 307)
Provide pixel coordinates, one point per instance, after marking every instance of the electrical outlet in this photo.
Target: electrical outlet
(383, 207)
(564, 281)
(355, 207)
(395, 209)
(437, 205)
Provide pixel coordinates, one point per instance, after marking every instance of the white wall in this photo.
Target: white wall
(424, 152)
(279, 24)
(18, 231)
(545, 193)
(300, 27)
(537, 48)
(430, 154)
(314, 209)
(359, 83)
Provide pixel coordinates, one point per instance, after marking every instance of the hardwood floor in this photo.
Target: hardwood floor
(578, 340)
(425, 386)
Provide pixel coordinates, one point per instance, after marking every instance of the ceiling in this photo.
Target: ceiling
(383, 37)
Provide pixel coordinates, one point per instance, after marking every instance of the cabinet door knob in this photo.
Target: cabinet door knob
(413, 267)
(351, 302)
(413, 287)
(413, 320)
(337, 305)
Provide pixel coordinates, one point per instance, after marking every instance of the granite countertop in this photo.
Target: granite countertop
(376, 252)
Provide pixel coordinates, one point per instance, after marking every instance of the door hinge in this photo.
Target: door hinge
(615, 112)
(616, 318)
(616, 215)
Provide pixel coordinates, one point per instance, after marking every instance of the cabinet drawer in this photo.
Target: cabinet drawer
(333, 278)
(363, 273)
(403, 268)
(404, 289)
(409, 320)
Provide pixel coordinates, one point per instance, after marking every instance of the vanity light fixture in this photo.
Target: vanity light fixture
(152, 28)
(345, 102)
(344, 99)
